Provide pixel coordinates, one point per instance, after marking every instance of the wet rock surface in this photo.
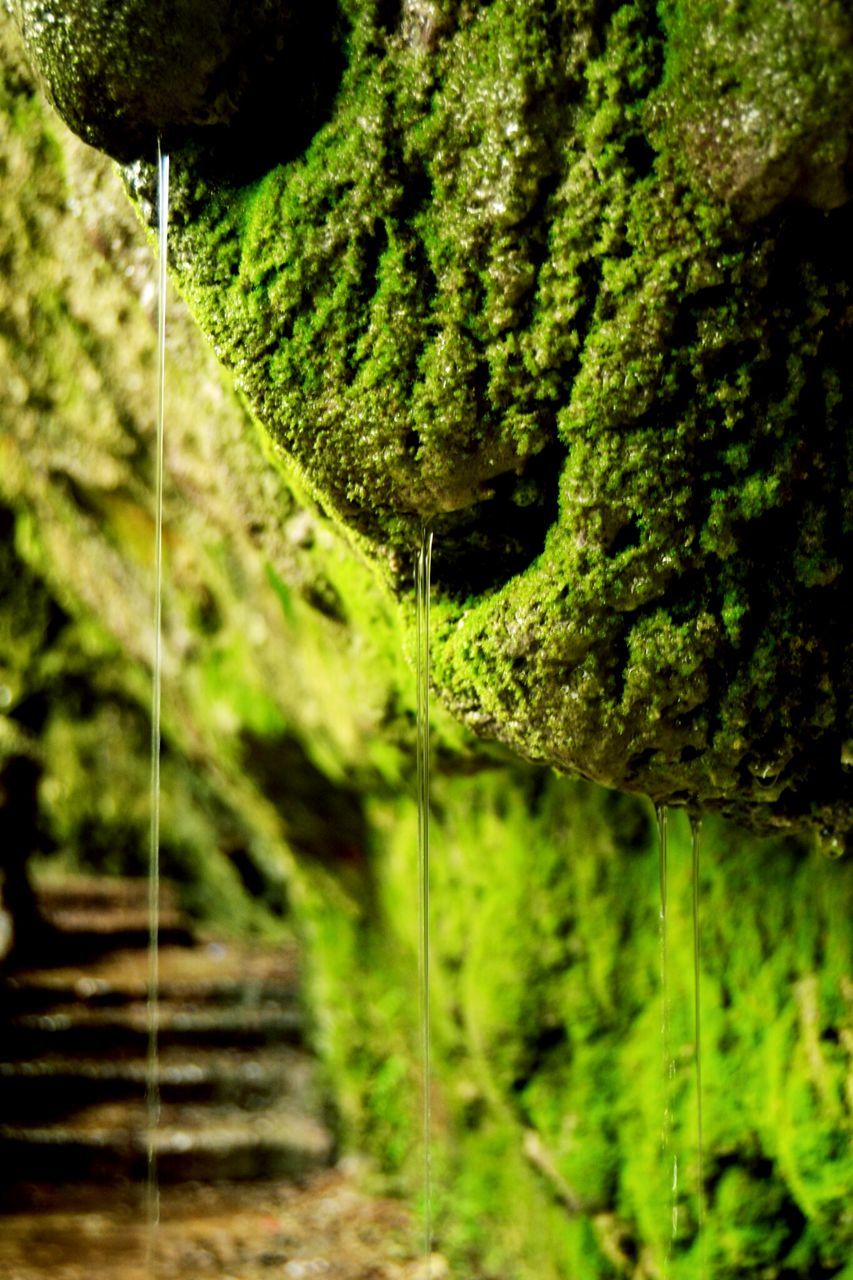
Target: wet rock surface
(242, 1150)
(126, 75)
(500, 287)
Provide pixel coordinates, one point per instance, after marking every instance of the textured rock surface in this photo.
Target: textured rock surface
(124, 74)
(570, 283)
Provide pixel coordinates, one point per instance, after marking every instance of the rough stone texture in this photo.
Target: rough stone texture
(570, 283)
(288, 724)
(758, 97)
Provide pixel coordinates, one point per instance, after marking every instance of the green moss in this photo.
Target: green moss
(244, 677)
(637, 639)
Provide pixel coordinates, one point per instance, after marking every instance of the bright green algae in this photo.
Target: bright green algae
(507, 265)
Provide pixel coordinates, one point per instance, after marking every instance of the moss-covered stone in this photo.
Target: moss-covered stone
(567, 282)
(249, 568)
(505, 291)
(759, 99)
(549, 1089)
(128, 75)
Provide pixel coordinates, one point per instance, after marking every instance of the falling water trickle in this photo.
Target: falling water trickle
(667, 1151)
(153, 1068)
(695, 831)
(832, 844)
(422, 580)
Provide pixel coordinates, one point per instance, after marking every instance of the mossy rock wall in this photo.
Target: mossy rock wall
(569, 283)
(550, 1086)
(249, 568)
(288, 803)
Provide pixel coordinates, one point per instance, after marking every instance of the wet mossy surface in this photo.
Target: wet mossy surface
(549, 1091)
(569, 283)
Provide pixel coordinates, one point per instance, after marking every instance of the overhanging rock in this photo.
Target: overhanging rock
(570, 284)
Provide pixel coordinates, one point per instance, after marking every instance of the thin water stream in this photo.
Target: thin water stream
(669, 1155)
(153, 1069)
(422, 584)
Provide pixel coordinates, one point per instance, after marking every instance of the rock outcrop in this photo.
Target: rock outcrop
(627, 401)
(569, 283)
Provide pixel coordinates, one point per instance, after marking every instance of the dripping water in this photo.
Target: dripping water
(695, 831)
(668, 1154)
(152, 1069)
(423, 575)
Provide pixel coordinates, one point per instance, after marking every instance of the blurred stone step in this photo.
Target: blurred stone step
(35, 995)
(46, 1090)
(236, 1085)
(123, 1033)
(82, 943)
(91, 915)
(117, 922)
(280, 1142)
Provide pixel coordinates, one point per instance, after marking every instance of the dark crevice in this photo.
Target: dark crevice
(619, 659)
(537, 1051)
(480, 548)
(256, 884)
(628, 535)
(388, 15)
(372, 248)
(84, 500)
(323, 820)
(416, 190)
(324, 597)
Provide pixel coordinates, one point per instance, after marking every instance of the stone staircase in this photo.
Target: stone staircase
(238, 1101)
